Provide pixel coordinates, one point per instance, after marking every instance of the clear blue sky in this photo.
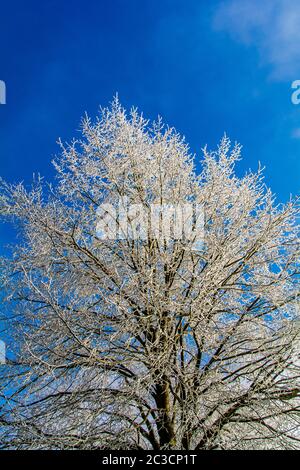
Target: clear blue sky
(207, 67)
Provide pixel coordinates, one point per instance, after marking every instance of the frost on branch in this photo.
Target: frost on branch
(122, 343)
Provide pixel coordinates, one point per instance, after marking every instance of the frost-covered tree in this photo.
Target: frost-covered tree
(117, 340)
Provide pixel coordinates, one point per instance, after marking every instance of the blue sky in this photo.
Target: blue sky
(207, 67)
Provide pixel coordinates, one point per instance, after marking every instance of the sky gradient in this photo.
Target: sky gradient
(207, 67)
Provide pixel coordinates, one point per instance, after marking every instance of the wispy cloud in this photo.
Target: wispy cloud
(296, 133)
(273, 26)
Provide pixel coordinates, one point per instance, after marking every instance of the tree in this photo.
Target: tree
(131, 336)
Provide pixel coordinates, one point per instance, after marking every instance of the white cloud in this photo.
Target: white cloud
(273, 26)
